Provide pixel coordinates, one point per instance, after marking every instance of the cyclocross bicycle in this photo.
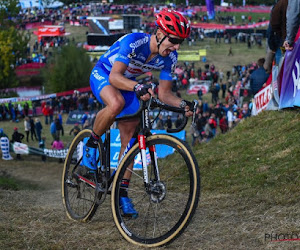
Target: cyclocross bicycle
(164, 191)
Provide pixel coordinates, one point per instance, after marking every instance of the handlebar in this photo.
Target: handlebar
(155, 103)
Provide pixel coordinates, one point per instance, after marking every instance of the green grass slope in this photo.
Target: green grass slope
(259, 159)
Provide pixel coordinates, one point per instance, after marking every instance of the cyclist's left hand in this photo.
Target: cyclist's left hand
(189, 105)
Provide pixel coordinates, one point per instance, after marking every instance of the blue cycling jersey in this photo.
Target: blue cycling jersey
(133, 50)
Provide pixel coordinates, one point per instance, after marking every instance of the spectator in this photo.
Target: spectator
(61, 121)
(27, 127)
(33, 109)
(179, 121)
(223, 124)
(200, 94)
(42, 146)
(58, 145)
(258, 77)
(168, 123)
(45, 112)
(292, 23)
(17, 137)
(75, 130)
(2, 134)
(51, 112)
(245, 113)
(213, 123)
(201, 121)
(276, 33)
(208, 133)
(38, 128)
(230, 117)
(32, 129)
(26, 108)
(160, 122)
(53, 130)
(223, 86)
(58, 125)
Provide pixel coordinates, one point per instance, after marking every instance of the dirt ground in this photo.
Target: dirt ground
(35, 218)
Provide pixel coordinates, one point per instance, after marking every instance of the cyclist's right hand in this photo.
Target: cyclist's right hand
(143, 91)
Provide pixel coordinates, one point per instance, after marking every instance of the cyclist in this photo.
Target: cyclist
(113, 83)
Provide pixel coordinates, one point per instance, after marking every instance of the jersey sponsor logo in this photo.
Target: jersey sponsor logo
(173, 57)
(146, 67)
(97, 76)
(139, 42)
(134, 71)
(121, 57)
(131, 55)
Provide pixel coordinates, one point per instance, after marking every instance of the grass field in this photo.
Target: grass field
(250, 189)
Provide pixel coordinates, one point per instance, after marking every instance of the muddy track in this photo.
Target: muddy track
(35, 218)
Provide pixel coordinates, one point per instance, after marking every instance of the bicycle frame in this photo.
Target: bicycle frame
(141, 138)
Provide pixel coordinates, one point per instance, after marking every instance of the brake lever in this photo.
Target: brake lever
(151, 97)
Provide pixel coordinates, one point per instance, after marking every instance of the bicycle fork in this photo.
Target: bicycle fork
(153, 158)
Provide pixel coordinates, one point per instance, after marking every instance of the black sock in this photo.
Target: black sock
(93, 141)
(124, 187)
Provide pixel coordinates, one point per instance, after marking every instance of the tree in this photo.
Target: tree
(69, 69)
(12, 42)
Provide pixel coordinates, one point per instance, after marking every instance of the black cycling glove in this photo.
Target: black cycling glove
(141, 89)
(187, 103)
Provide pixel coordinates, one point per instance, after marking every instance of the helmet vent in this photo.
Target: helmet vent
(167, 18)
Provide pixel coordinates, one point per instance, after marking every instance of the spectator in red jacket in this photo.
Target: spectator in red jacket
(223, 124)
(45, 112)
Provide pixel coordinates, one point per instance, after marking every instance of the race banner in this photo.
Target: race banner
(76, 116)
(23, 149)
(263, 97)
(290, 83)
(195, 86)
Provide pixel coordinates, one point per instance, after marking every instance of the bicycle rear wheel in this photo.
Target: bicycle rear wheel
(166, 206)
(78, 191)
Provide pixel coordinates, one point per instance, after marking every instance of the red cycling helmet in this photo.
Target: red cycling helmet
(172, 22)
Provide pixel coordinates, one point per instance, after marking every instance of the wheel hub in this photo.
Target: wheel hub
(157, 191)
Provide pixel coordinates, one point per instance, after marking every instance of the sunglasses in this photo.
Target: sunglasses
(174, 40)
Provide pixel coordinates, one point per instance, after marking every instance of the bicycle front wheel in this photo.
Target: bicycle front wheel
(165, 206)
(78, 192)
